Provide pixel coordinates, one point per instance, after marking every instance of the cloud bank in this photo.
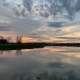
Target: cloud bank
(56, 24)
(4, 28)
(47, 8)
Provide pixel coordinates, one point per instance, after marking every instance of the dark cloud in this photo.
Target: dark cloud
(4, 0)
(77, 6)
(4, 3)
(19, 6)
(56, 24)
(28, 4)
(44, 14)
(66, 8)
(77, 38)
(35, 36)
(42, 10)
(62, 6)
(4, 28)
(54, 8)
(23, 12)
(47, 8)
(17, 12)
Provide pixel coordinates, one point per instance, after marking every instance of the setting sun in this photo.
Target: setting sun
(27, 39)
(24, 40)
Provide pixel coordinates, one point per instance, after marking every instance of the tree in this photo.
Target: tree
(1, 37)
(19, 39)
(9, 39)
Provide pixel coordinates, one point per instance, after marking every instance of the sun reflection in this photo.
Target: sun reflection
(26, 50)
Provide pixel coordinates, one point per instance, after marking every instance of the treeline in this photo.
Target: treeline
(7, 40)
(18, 40)
(64, 44)
(15, 46)
(7, 44)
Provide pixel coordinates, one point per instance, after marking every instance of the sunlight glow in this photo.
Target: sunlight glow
(27, 39)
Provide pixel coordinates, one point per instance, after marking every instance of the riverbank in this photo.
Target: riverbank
(15, 46)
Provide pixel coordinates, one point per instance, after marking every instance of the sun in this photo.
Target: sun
(24, 40)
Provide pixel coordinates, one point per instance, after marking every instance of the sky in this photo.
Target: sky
(41, 20)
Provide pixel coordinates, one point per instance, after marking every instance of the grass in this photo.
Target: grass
(15, 46)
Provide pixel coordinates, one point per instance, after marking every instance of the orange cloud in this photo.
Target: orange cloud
(68, 29)
(28, 39)
(53, 39)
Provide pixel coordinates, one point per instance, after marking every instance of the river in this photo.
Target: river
(48, 63)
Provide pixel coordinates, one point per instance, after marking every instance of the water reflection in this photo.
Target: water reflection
(69, 50)
(17, 52)
(7, 51)
(62, 49)
(1, 52)
(49, 63)
(70, 75)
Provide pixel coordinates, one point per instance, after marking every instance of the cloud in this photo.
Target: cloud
(66, 8)
(28, 4)
(77, 38)
(4, 3)
(23, 12)
(35, 36)
(4, 28)
(19, 11)
(56, 24)
(77, 6)
(46, 8)
(44, 14)
(16, 11)
(42, 10)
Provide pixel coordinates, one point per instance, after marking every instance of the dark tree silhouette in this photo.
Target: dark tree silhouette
(8, 39)
(2, 40)
(19, 39)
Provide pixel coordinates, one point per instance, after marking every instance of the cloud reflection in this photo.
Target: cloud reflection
(68, 75)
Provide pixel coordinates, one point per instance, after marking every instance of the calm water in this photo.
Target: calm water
(49, 63)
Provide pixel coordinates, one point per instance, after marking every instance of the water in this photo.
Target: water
(49, 63)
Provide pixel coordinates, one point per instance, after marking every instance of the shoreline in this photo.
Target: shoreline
(16, 46)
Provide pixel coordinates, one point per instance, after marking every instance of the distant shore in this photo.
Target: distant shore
(64, 44)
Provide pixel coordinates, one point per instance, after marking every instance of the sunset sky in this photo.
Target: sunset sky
(41, 20)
